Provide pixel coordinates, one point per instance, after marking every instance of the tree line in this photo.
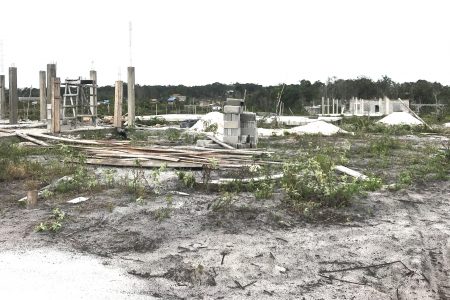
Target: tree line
(295, 96)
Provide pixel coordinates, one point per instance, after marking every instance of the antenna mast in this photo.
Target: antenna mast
(129, 35)
(1, 57)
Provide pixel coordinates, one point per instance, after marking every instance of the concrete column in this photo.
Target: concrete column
(323, 106)
(2, 97)
(51, 74)
(93, 92)
(56, 112)
(388, 106)
(117, 121)
(328, 106)
(42, 96)
(333, 106)
(13, 97)
(131, 97)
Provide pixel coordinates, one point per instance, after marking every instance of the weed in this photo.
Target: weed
(54, 223)
(207, 169)
(164, 212)
(223, 202)
(311, 182)
(110, 177)
(156, 174)
(211, 128)
(187, 178)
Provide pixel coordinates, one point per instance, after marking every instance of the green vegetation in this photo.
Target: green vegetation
(54, 222)
(187, 178)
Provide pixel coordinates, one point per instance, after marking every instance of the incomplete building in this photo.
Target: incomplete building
(376, 107)
(240, 129)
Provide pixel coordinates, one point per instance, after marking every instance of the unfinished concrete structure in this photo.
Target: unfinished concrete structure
(131, 96)
(377, 107)
(118, 98)
(240, 129)
(2, 97)
(13, 96)
(42, 96)
(93, 95)
(331, 107)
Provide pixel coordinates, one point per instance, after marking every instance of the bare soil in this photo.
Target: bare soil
(256, 249)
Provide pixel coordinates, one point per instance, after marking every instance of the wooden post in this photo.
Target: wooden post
(13, 98)
(42, 96)
(56, 100)
(117, 121)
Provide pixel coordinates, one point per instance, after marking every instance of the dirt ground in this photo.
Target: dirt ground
(386, 245)
(269, 253)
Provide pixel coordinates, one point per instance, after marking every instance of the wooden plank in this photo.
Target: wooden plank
(124, 155)
(62, 139)
(351, 172)
(212, 138)
(143, 164)
(33, 140)
(414, 114)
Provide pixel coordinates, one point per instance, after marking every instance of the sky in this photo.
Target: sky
(196, 42)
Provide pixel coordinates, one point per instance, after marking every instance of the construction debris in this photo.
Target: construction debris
(78, 200)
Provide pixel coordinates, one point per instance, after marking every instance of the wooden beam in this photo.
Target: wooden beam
(29, 138)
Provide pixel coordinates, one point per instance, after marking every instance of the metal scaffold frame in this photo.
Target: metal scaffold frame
(76, 103)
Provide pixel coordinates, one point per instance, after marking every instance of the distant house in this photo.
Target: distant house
(171, 99)
(381, 106)
(178, 97)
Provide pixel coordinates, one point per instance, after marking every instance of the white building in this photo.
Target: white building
(376, 107)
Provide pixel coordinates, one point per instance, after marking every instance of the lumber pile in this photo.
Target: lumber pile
(122, 154)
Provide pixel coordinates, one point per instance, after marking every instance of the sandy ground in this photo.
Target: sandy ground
(114, 248)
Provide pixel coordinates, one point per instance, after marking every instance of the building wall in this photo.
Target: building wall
(376, 107)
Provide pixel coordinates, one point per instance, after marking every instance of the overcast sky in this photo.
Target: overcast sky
(196, 42)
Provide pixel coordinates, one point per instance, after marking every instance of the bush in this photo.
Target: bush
(311, 182)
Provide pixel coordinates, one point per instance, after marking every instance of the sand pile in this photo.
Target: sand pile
(318, 127)
(400, 118)
(208, 120)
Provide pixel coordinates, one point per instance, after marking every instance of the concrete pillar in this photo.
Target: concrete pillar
(328, 106)
(13, 97)
(388, 106)
(42, 96)
(55, 102)
(93, 96)
(333, 106)
(51, 74)
(117, 121)
(323, 106)
(131, 97)
(2, 97)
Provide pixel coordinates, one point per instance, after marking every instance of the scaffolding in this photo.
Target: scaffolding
(79, 102)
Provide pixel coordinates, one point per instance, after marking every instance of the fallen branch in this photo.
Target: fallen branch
(367, 267)
(341, 280)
